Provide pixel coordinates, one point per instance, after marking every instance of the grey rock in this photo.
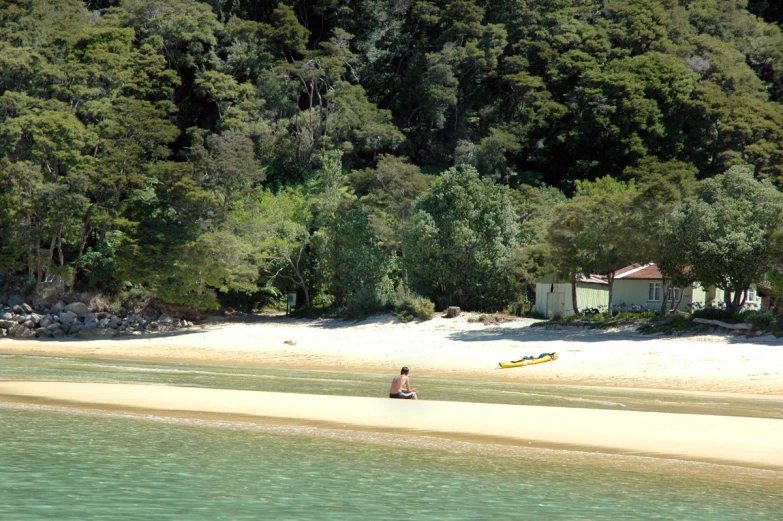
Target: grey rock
(6, 315)
(29, 324)
(19, 331)
(15, 300)
(80, 308)
(26, 307)
(75, 327)
(18, 309)
(58, 333)
(96, 333)
(7, 324)
(59, 306)
(153, 326)
(46, 321)
(66, 317)
(20, 319)
(3, 332)
(52, 327)
(42, 332)
(36, 318)
(165, 319)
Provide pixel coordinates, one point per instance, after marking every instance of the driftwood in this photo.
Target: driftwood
(452, 312)
(741, 326)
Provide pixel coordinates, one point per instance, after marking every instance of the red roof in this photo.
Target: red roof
(639, 272)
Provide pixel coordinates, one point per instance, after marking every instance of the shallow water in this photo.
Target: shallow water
(23, 367)
(74, 465)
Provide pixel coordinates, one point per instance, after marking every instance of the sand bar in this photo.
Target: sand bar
(744, 441)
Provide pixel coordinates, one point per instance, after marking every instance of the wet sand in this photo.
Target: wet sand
(752, 442)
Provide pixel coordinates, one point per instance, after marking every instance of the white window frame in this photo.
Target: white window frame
(750, 295)
(673, 294)
(654, 292)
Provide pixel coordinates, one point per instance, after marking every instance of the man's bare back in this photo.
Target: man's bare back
(401, 386)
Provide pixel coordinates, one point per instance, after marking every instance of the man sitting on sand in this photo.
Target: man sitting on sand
(401, 386)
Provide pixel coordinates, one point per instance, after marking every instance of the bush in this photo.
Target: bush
(407, 305)
(761, 320)
(714, 313)
(361, 304)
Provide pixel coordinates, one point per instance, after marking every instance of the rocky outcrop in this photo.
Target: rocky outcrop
(20, 319)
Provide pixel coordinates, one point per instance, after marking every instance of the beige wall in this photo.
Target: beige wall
(556, 298)
(637, 292)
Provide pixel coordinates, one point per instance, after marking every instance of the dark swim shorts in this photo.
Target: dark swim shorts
(401, 394)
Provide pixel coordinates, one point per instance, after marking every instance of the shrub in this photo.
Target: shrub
(361, 304)
(407, 305)
(714, 313)
(760, 319)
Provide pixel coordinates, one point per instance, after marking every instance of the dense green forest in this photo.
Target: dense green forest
(375, 153)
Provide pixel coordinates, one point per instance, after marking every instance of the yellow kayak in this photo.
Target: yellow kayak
(549, 357)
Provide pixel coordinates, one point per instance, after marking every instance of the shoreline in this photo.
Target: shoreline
(748, 442)
(457, 349)
(454, 348)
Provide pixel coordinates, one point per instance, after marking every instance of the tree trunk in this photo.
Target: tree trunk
(573, 295)
(82, 245)
(665, 290)
(610, 279)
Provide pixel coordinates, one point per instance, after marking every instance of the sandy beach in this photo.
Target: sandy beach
(460, 348)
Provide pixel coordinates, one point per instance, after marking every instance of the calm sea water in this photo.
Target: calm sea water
(69, 464)
(75, 465)
(22, 367)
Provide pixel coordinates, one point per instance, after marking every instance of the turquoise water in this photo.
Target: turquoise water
(69, 464)
(22, 367)
(75, 465)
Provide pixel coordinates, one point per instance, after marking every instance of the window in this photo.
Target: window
(751, 295)
(655, 292)
(673, 294)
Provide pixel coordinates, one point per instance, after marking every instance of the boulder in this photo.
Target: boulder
(57, 333)
(19, 331)
(42, 332)
(165, 320)
(452, 311)
(46, 321)
(36, 318)
(15, 300)
(7, 324)
(75, 327)
(80, 308)
(66, 317)
(6, 315)
(26, 307)
(59, 306)
(18, 309)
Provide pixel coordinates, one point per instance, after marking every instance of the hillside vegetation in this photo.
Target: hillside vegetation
(382, 153)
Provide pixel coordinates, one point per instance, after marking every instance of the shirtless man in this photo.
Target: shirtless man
(401, 387)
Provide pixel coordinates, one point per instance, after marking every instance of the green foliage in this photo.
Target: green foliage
(407, 305)
(456, 247)
(139, 138)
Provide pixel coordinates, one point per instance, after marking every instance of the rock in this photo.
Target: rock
(7, 315)
(36, 318)
(66, 317)
(75, 327)
(80, 308)
(7, 324)
(19, 331)
(96, 333)
(46, 321)
(452, 311)
(42, 332)
(52, 327)
(165, 319)
(90, 321)
(19, 319)
(113, 322)
(152, 326)
(26, 308)
(3, 332)
(29, 324)
(58, 333)
(15, 300)
(18, 309)
(59, 306)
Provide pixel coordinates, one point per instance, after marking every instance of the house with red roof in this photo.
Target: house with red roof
(636, 287)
